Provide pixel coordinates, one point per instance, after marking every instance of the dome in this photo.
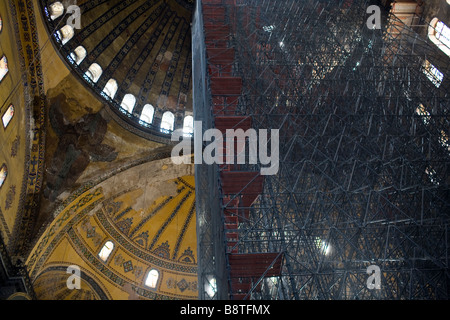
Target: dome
(134, 54)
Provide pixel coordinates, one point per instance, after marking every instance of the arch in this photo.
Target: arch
(89, 282)
(3, 174)
(147, 113)
(56, 10)
(3, 67)
(106, 250)
(188, 126)
(111, 88)
(19, 296)
(128, 102)
(65, 33)
(94, 72)
(152, 278)
(78, 54)
(8, 115)
(167, 122)
(439, 34)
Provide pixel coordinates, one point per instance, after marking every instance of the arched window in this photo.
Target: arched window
(106, 251)
(439, 34)
(188, 126)
(78, 54)
(3, 67)
(94, 72)
(56, 10)
(111, 88)
(9, 114)
(147, 113)
(128, 102)
(152, 278)
(433, 73)
(167, 122)
(65, 33)
(3, 174)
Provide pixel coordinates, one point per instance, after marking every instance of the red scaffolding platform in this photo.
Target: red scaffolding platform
(247, 271)
(239, 189)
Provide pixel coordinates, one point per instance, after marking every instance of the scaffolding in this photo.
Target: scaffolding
(363, 180)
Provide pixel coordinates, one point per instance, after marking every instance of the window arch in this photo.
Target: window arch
(152, 278)
(3, 174)
(3, 67)
(7, 116)
(56, 10)
(439, 34)
(78, 54)
(106, 251)
(65, 33)
(167, 122)
(188, 126)
(147, 113)
(128, 102)
(94, 72)
(111, 88)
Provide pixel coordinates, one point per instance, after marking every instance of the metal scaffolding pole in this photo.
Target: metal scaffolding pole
(363, 116)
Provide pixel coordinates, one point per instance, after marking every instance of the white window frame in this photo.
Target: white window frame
(128, 102)
(433, 73)
(152, 278)
(111, 88)
(167, 122)
(437, 31)
(106, 251)
(147, 114)
(7, 116)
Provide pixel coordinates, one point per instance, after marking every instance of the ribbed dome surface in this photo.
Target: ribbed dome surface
(135, 53)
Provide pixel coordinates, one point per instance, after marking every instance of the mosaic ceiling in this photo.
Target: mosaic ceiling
(150, 226)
